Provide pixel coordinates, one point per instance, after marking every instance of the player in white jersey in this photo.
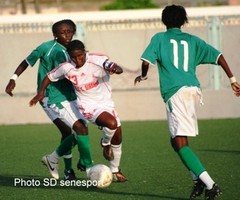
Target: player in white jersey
(90, 74)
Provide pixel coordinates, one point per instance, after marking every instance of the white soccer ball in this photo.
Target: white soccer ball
(101, 175)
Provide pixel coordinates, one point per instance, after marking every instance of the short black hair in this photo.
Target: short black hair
(174, 16)
(64, 21)
(75, 45)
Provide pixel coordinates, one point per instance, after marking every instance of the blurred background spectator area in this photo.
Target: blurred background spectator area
(13, 7)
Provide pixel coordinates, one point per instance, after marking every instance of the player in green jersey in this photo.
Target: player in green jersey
(60, 99)
(177, 54)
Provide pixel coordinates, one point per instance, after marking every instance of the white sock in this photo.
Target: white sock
(67, 156)
(207, 180)
(107, 135)
(54, 157)
(117, 152)
(87, 171)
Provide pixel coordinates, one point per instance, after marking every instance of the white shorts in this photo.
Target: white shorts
(181, 111)
(91, 112)
(68, 112)
(52, 115)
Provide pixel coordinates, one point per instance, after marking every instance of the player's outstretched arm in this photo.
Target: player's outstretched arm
(234, 84)
(12, 82)
(40, 94)
(143, 77)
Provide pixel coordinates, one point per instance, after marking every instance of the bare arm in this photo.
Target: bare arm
(145, 67)
(224, 65)
(12, 82)
(234, 84)
(40, 94)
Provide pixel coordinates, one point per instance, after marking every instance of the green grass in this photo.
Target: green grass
(153, 169)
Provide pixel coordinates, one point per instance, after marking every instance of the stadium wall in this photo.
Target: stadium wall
(122, 35)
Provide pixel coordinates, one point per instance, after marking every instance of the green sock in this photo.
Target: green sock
(67, 157)
(194, 177)
(65, 150)
(191, 160)
(84, 150)
(66, 145)
(183, 161)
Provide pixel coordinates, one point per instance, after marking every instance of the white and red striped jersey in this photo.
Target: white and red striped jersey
(91, 81)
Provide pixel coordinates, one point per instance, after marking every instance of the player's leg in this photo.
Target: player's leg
(192, 162)
(51, 160)
(109, 120)
(181, 112)
(109, 124)
(63, 128)
(106, 118)
(116, 144)
(198, 186)
(69, 113)
(73, 118)
(65, 131)
(83, 143)
(97, 114)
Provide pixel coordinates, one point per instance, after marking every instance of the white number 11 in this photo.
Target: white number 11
(175, 54)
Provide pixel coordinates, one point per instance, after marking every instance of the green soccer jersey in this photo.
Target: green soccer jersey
(50, 54)
(177, 55)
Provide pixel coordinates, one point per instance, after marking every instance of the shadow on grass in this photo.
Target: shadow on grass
(26, 182)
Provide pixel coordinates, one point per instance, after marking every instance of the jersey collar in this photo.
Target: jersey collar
(176, 30)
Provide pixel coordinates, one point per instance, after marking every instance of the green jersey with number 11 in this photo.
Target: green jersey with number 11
(177, 55)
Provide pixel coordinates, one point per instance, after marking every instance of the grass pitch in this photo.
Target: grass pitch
(153, 169)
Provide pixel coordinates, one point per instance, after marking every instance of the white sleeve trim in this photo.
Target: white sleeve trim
(143, 59)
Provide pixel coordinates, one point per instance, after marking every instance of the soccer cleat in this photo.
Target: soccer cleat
(69, 175)
(197, 189)
(119, 177)
(212, 193)
(52, 166)
(81, 167)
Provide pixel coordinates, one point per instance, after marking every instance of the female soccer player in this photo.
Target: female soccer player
(177, 54)
(59, 100)
(90, 74)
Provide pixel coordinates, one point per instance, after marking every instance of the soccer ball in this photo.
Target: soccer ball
(101, 175)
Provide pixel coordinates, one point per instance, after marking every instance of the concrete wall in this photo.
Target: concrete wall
(124, 42)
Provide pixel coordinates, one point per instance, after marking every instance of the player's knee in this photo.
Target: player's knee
(80, 127)
(63, 128)
(112, 124)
